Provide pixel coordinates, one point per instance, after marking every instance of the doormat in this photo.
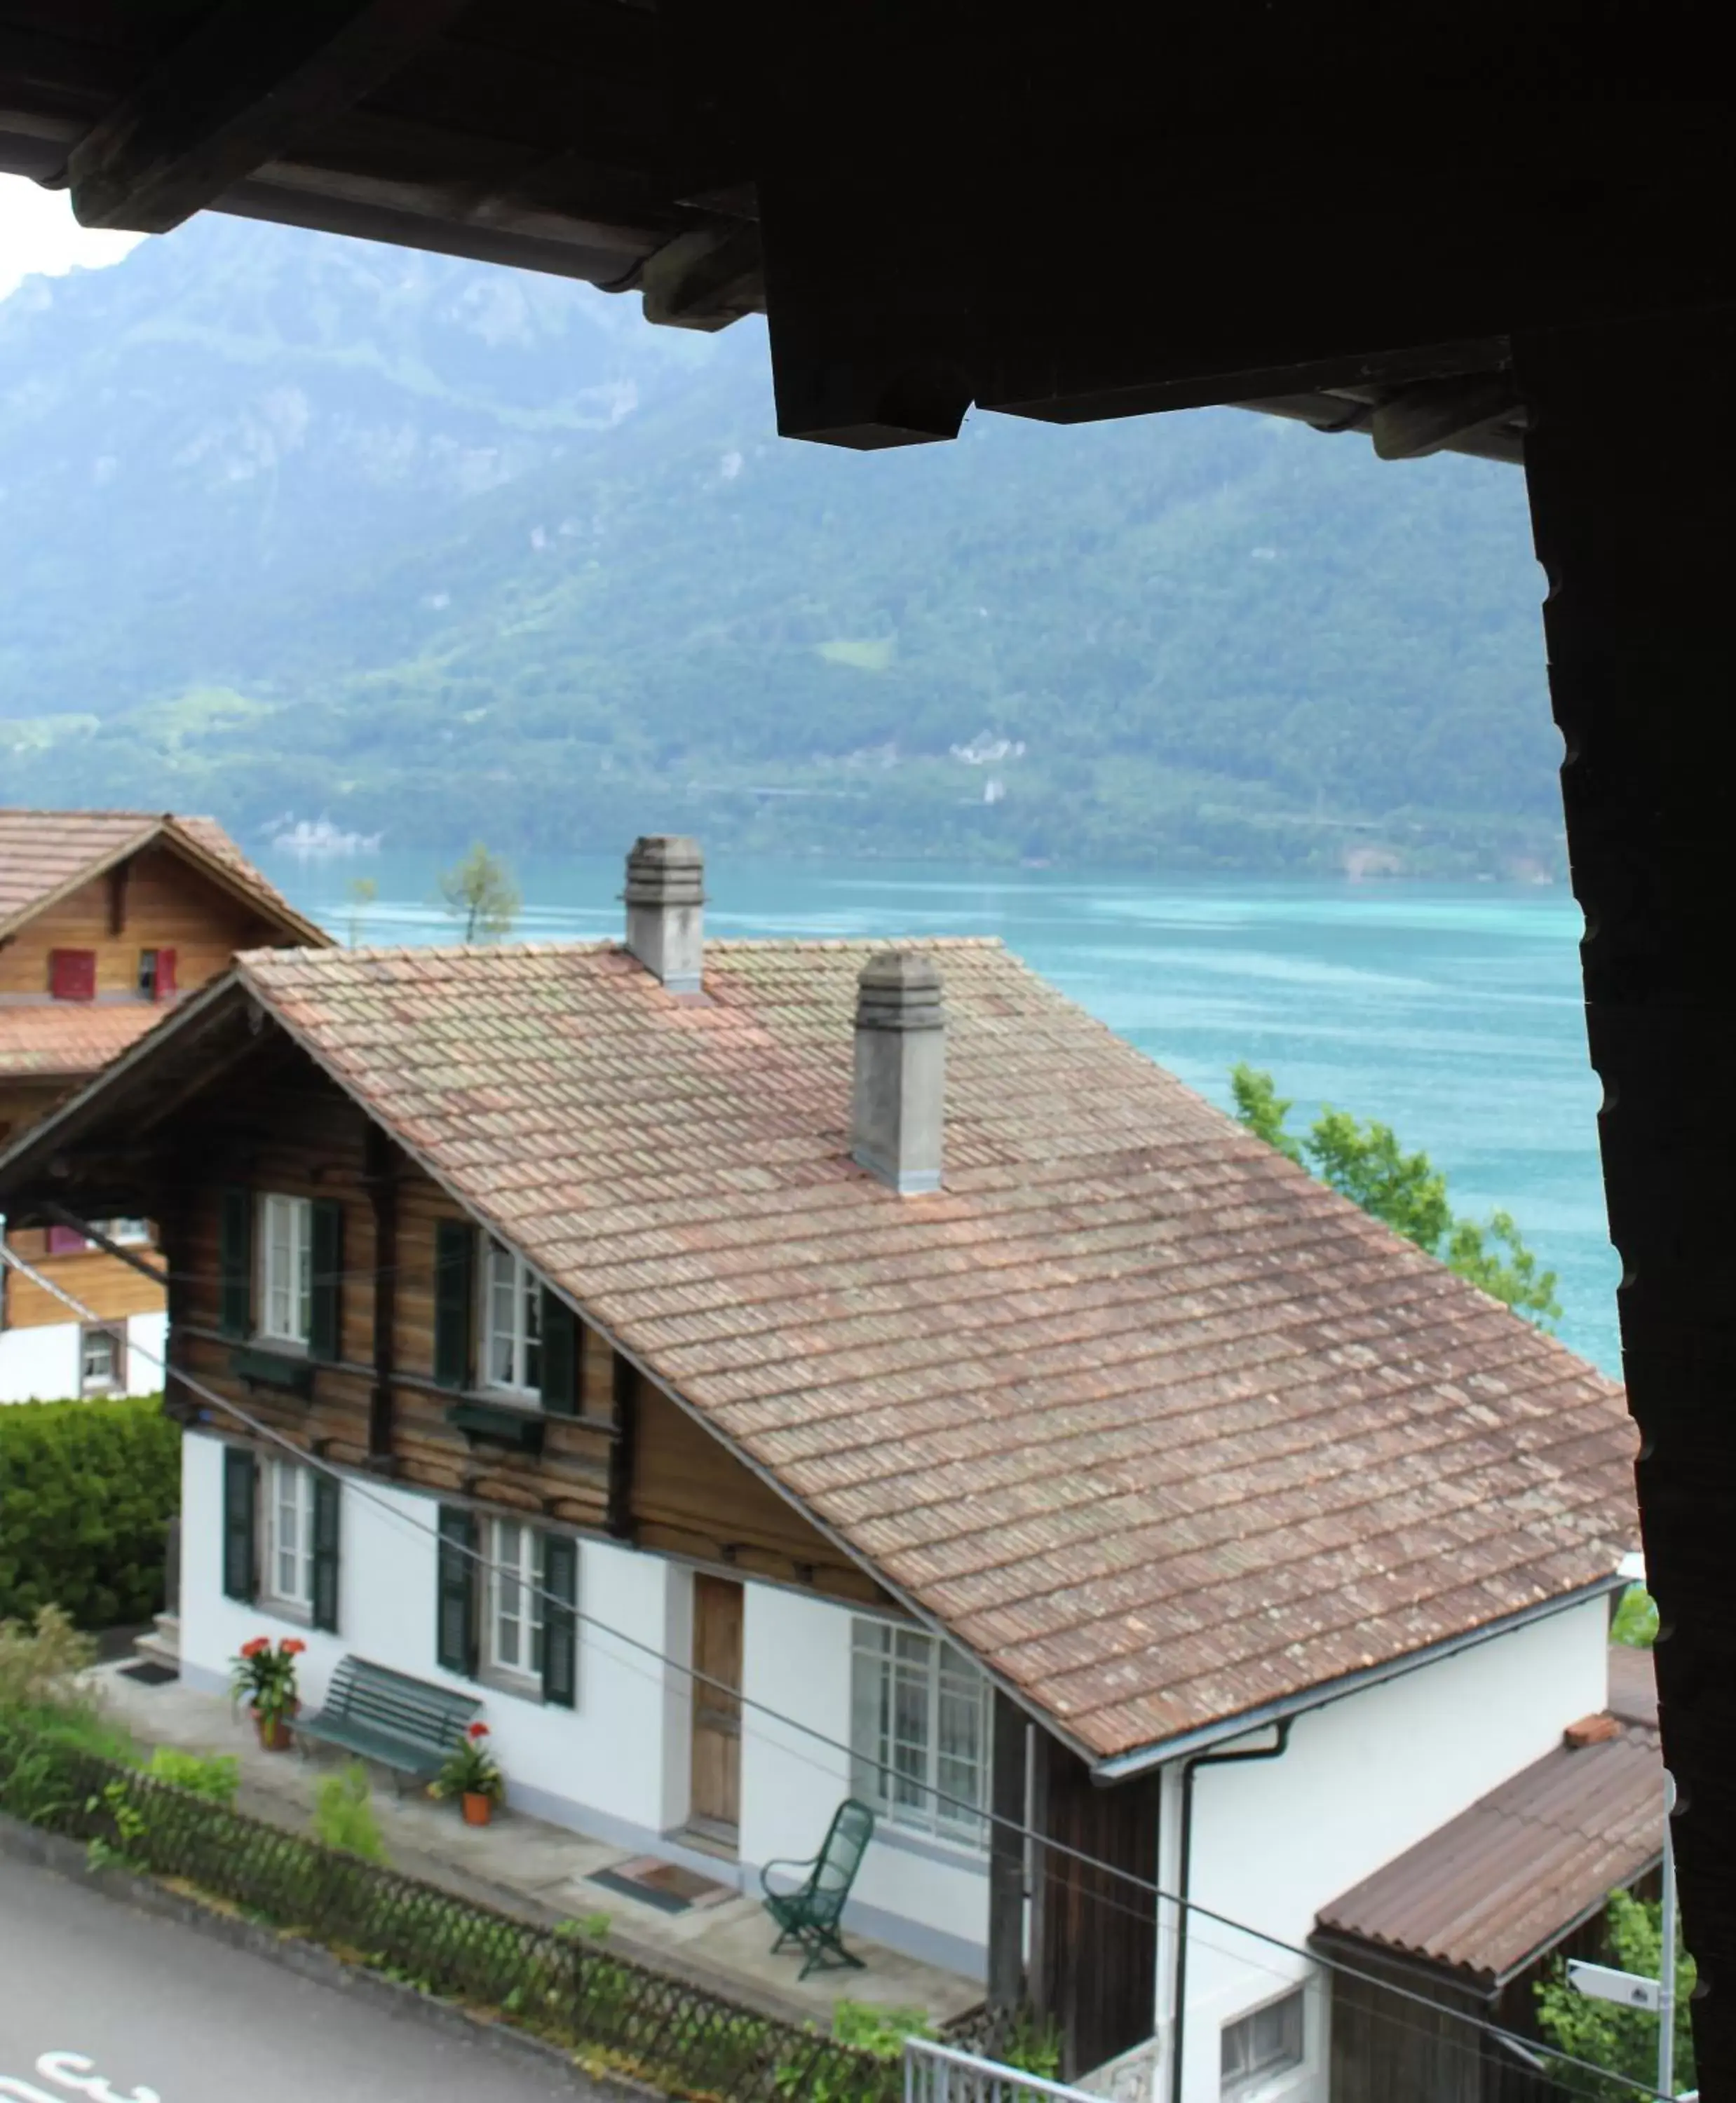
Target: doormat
(148, 1674)
(665, 1885)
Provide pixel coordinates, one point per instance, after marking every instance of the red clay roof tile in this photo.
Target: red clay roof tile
(1156, 1425)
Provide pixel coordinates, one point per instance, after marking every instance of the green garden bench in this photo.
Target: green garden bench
(402, 1723)
(810, 1915)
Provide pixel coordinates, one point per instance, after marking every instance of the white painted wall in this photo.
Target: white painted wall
(618, 1765)
(1363, 1779)
(41, 1363)
(918, 1894)
(600, 1764)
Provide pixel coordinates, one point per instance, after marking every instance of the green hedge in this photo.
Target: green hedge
(86, 1493)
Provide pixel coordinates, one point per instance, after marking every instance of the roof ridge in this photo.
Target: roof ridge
(596, 944)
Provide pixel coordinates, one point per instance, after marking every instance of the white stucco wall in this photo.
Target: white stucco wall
(599, 1764)
(921, 1894)
(41, 1363)
(617, 1766)
(1363, 1779)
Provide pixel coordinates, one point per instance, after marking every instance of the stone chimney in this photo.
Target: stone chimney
(898, 1111)
(665, 898)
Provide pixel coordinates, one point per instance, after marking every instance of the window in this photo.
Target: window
(148, 973)
(287, 1571)
(285, 1244)
(72, 974)
(157, 974)
(129, 1232)
(919, 1729)
(1265, 2043)
(102, 1362)
(511, 1322)
(513, 1623)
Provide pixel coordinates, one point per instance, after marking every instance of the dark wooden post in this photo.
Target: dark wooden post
(1634, 513)
(382, 1191)
(1007, 1801)
(618, 1522)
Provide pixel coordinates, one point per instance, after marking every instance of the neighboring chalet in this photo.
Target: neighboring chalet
(949, 1379)
(106, 918)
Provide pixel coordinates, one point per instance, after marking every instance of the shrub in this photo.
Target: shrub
(216, 1776)
(343, 1814)
(87, 1490)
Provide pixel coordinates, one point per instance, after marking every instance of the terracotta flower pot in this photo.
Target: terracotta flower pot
(274, 1734)
(478, 1809)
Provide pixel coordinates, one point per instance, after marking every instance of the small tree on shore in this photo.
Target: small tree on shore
(1365, 1163)
(480, 892)
(364, 891)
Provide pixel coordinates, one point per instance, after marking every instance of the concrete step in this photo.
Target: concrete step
(161, 1642)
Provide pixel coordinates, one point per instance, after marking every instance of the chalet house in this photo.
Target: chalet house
(869, 1328)
(107, 917)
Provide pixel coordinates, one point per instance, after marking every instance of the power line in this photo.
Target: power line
(1195, 1908)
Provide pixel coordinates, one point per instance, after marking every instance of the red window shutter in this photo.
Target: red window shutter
(65, 1241)
(72, 974)
(166, 986)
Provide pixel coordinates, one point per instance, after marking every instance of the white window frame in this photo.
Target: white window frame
(897, 1672)
(506, 1283)
(285, 1233)
(1291, 2009)
(513, 1597)
(286, 1507)
(115, 1381)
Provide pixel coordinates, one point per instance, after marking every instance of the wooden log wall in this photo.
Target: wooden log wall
(155, 901)
(111, 1289)
(1094, 1934)
(631, 1465)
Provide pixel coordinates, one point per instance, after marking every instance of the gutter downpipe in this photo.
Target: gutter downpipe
(1184, 1878)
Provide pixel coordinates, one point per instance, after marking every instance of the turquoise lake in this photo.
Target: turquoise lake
(1451, 1012)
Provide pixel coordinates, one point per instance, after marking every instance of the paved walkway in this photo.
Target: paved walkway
(541, 1872)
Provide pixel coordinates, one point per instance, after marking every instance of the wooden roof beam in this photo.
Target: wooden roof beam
(252, 77)
(1436, 414)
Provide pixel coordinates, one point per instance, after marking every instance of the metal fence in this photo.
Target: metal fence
(564, 1986)
(942, 2074)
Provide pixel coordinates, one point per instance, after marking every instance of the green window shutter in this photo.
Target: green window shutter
(325, 1329)
(560, 1357)
(240, 1502)
(560, 1634)
(326, 1546)
(455, 1636)
(455, 1247)
(235, 1262)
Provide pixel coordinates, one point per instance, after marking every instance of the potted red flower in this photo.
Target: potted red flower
(264, 1676)
(472, 1774)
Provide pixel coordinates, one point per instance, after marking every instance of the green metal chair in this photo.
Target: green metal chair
(810, 1915)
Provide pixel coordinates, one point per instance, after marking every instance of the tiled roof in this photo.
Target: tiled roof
(69, 1036)
(1486, 1892)
(43, 853)
(1157, 1426)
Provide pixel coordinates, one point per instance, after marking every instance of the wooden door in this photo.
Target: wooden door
(716, 1714)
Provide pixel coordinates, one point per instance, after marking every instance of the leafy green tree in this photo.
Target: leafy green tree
(1261, 1107)
(1625, 2040)
(1365, 1163)
(1635, 1622)
(480, 892)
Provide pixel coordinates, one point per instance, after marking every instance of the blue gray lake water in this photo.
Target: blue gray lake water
(1451, 1012)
